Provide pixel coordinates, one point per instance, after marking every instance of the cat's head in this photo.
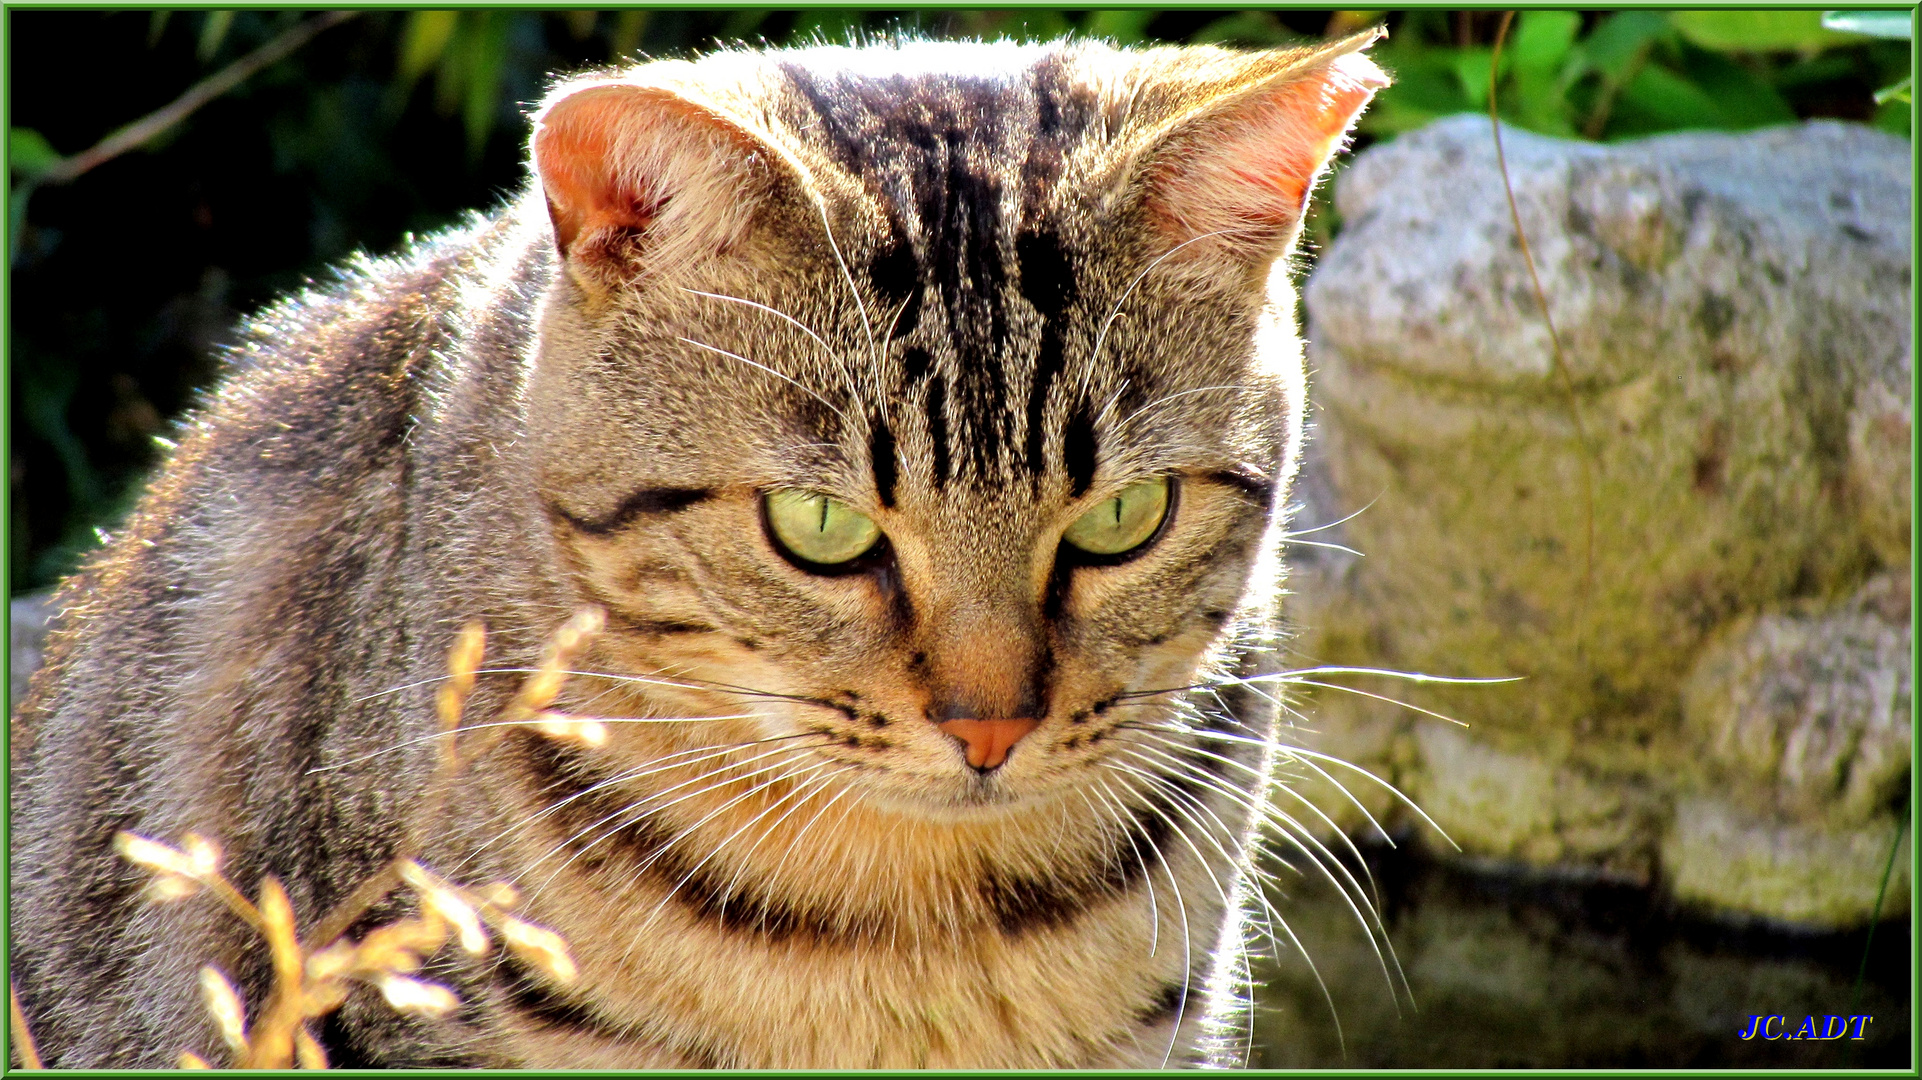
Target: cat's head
(923, 402)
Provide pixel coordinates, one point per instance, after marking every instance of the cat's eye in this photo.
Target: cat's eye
(1123, 522)
(817, 529)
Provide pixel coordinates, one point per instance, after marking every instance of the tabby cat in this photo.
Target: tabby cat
(921, 417)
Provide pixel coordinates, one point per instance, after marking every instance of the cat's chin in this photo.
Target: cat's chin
(967, 799)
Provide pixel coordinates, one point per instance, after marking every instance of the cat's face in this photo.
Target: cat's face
(941, 438)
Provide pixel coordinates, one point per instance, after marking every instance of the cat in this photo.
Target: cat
(918, 416)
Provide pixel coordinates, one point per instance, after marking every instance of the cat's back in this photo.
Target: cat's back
(201, 660)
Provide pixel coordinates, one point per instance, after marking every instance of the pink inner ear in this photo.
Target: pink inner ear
(1307, 121)
(1255, 165)
(576, 155)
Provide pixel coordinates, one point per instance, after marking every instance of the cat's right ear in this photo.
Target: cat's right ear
(638, 176)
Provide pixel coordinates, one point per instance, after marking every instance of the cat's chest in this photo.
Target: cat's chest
(1082, 995)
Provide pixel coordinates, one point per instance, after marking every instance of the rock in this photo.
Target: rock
(1793, 871)
(1809, 717)
(1722, 441)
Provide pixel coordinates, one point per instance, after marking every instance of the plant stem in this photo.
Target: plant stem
(22, 1038)
(213, 86)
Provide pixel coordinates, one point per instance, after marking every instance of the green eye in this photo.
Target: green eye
(1124, 522)
(817, 529)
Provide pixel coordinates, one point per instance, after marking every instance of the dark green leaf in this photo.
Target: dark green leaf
(1243, 28)
(835, 26)
(1620, 41)
(1543, 39)
(1472, 66)
(1040, 24)
(1893, 116)
(1125, 26)
(29, 153)
(1744, 98)
(626, 40)
(1773, 30)
(424, 41)
(489, 46)
(1658, 99)
(212, 33)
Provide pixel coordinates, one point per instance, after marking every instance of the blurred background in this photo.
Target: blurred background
(266, 146)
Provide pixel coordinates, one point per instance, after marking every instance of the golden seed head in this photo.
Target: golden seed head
(461, 916)
(417, 997)
(166, 888)
(203, 853)
(578, 729)
(223, 1004)
(153, 855)
(539, 946)
(331, 962)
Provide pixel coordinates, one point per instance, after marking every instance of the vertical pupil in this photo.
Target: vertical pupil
(824, 515)
(1117, 510)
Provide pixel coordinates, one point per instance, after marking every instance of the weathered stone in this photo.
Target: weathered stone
(1525, 808)
(1719, 857)
(1809, 717)
(1722, 440)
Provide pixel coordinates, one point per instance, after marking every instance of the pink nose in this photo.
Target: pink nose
(988, 741)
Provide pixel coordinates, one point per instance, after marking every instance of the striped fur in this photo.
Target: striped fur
(965, 289)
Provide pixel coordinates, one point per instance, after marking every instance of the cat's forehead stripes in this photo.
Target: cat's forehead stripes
(962, 163)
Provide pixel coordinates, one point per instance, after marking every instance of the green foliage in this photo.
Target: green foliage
(1628, 74)
(1776, 30)
(29, 153)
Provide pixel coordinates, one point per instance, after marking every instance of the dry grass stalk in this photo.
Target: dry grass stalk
(313, 978)
(23, 1047)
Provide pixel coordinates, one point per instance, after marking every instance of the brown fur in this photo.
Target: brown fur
(735, 275)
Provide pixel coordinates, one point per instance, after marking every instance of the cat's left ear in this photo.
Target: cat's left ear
(1236, 173)
(642, 175)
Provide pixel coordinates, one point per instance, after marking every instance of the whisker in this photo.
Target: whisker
(1102, 334)
(751, 822)
(1154, 909)
(1187, 949)
(806, 791)
(1321, 544)
(1159, 402)
(1263, 807)
(860, 306)
(635, 811)
(1407, 676)
(774, 875)
(777, 313)
(1337, 523)
(694, 756)
(804, 388)
(1298, 751)
(1304, 840)
(454, 732)
(1379, 697)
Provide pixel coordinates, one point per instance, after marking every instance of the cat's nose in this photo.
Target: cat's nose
(988, 741)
